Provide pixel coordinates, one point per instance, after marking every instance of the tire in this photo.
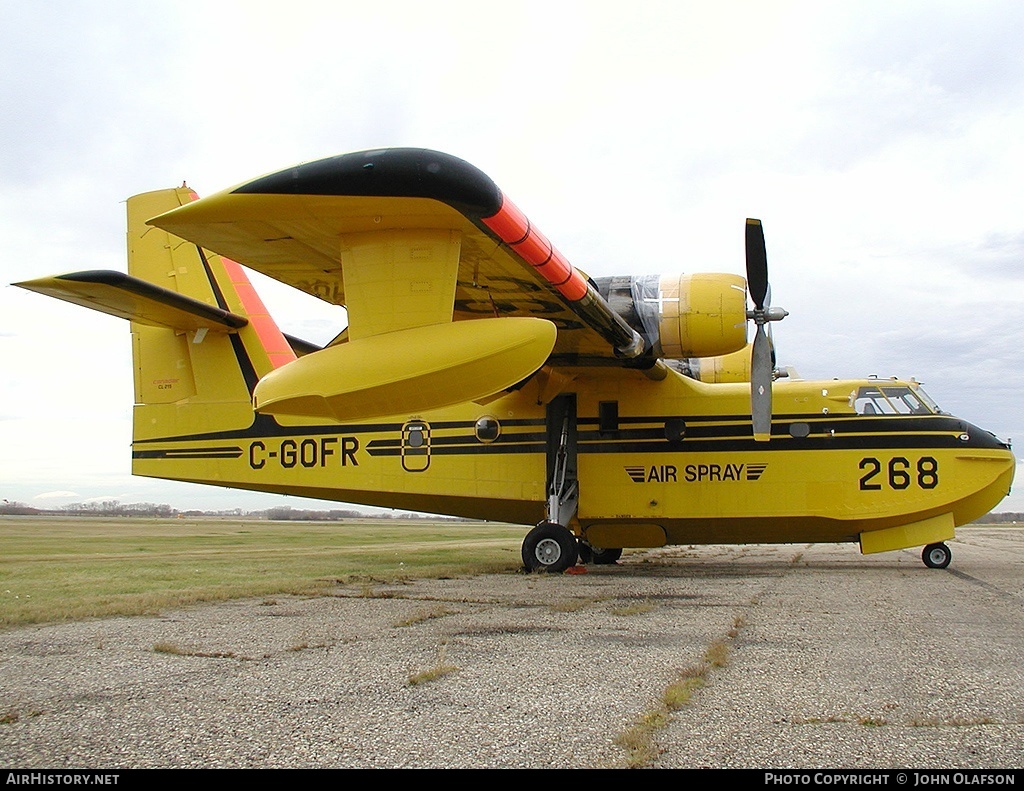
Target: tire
(606, 557)
(549, 548)
(585, 552)
(936, 556)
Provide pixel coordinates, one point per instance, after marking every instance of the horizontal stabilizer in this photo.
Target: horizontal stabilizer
(128, 297)
(408, 371)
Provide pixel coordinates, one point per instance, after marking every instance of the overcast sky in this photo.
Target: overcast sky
(882, 145)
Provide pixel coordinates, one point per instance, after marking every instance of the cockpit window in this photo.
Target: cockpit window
(892, 400)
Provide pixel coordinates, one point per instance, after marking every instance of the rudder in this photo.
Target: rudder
(188, 381)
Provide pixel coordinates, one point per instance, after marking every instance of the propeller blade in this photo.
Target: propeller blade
(761, 367)
(771, 337)
(757, 264)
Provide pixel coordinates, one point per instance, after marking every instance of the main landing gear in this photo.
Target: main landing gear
(606, 557)
(551, 546)
(936, 556)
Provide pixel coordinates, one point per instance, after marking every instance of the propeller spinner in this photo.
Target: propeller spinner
(762, 362)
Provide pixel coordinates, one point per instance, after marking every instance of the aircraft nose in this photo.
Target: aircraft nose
(980, 438)
(986, 465)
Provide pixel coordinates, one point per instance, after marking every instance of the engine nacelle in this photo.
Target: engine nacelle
(733, 367)
(683, 316)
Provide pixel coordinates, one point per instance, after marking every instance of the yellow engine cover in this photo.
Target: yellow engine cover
(702, 315)
(733, 367)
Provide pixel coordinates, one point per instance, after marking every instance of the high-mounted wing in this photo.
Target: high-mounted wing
(408, 238)
(452, 294)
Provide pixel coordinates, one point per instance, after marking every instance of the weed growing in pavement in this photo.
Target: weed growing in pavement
(717, 654)
(425, 614)
(167, 647)
(638, 739)
(14, 715)
(637, 608)
(442, 668)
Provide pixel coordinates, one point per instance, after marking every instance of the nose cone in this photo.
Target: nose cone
(979, 438)
(984, 470)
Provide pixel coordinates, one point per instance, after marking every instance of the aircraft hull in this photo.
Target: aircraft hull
(681, 468)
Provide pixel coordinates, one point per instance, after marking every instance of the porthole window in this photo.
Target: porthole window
(675, 429)
(487, 429)
(799, 430)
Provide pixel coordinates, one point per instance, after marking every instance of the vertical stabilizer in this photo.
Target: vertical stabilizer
(192, 381)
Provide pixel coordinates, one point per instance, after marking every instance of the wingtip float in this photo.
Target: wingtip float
(483, 375)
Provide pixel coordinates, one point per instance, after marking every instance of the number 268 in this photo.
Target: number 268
(901, 473)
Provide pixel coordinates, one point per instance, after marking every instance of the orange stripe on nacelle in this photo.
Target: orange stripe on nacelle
(512, 227)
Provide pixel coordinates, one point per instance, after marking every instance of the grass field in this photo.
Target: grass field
(54, 568)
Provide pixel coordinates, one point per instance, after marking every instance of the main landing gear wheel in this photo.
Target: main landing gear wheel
(606, 557)
(936, 556)
(549, 547)
(596, 555)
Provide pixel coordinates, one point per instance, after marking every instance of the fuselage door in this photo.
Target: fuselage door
(415, 446)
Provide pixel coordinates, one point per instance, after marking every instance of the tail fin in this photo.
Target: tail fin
(201, 336)
(190, 382)
(195, 381)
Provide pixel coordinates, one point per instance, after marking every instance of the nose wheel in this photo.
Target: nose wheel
(936, 556)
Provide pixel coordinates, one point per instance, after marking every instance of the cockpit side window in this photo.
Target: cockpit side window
(870, 401)
(891, 400)
(905, 401)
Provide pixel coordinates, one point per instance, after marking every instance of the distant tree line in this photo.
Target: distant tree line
(114, 508)
(282, 513)
(1001, 519)
(285, 513)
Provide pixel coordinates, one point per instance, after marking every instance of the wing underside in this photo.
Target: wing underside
(406, 238)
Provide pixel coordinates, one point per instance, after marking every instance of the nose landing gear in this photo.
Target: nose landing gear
(936, 556)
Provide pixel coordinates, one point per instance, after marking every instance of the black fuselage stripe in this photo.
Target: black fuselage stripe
(469, 446)
(738, 426)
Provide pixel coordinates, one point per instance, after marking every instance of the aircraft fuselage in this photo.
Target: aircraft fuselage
(672, 461)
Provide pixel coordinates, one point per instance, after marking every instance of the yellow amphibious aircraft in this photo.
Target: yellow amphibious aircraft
(482, 375)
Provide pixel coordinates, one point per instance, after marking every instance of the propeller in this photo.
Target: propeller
(762, 356)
